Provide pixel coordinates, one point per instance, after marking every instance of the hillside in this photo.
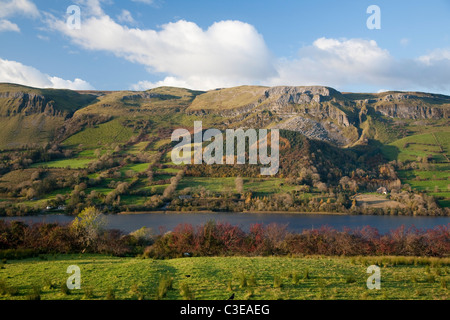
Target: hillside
(78, 147)
(32, 116)
(318, 112)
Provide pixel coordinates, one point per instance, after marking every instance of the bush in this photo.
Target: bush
(306, 274)
(186, 292)
(295, 278)
(17, 254)
(64, 290)
(6, 289)
(350, 279)
(164, 285)
(252, 280)
(137, 292)
(111, 294)
(36, 293)
(20, 241)
(88, 292)
(430, 278)
(277, 282)
(229, 286)
(242, 280)
(49, 284)
(214, 239)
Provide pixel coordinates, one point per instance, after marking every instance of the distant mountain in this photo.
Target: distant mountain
(113, 149)
(36, 116)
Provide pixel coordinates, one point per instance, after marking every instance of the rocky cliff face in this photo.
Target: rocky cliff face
(411, 111)
(410, 105)
(318, 112)
(301, 95)
(313, 110)
(311, 100)
(26, 104)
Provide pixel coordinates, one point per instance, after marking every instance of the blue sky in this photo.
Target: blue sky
(141, 44)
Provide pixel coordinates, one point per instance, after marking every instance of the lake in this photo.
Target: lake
(295, 222)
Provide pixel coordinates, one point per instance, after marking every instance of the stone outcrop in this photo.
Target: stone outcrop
(411, 111)
(27, 104)
(301, 95)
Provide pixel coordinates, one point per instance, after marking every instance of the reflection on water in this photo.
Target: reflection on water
(295, 222)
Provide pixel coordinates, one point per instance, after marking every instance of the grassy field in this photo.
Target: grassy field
(259, 187)
(377, 201)
(105, 133)
(420, 145)
(214, 278)
(433, 177)
(139, 167)
(72, 163)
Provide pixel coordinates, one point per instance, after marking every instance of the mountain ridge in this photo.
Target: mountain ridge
(319, 112)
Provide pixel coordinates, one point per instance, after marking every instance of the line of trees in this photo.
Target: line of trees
(87, 234)
(222, 239)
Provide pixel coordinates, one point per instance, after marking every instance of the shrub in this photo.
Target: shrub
(350, 279)
(248, 294)
(164, 285)
(277, 282)
(242, 280)
(137, 292)
(34, 297)
(64, 290)
(186, 292)
(306, 274)
(49, 283)
(229, 286)
(17, 254)
(295, 278)
(88, 292)
(430, 278)
(411, 245)
(6, 289)
(13, 291)
(36, 293)
(252, 280)
(111, 294)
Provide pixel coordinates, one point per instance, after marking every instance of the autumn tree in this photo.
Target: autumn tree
(88, 225)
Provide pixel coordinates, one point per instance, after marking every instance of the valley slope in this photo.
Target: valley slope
(65, 149)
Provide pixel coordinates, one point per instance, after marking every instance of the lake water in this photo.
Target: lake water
(295, 222)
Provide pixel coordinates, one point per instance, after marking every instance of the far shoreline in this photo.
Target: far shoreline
(229, 212)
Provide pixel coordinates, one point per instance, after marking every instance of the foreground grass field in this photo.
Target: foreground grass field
(267, 278)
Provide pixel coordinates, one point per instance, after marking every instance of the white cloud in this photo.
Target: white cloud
(23, 7)
(435, 56)
(404, 42)
(126, 17)
(42, 37)
(6, 25)
(13, 8)
(349, 63)
(144, 1)
(228, 52)
(335, 63)
(193, 83)
(15, 72)
(91, 7)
